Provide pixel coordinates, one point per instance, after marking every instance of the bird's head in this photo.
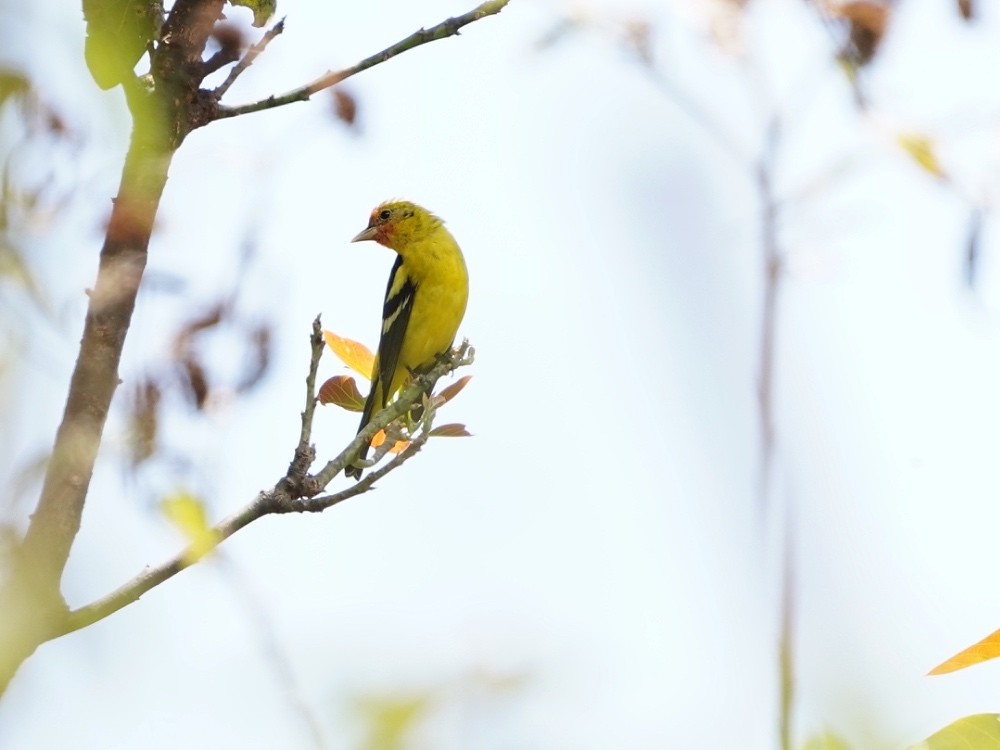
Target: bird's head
(395, 224)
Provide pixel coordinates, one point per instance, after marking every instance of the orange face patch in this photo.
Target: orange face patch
(381, 221)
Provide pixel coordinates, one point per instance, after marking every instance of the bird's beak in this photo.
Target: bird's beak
(365, 234)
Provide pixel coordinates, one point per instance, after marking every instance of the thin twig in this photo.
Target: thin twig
(248, 59)
(448, 27)
(316, 343)
(293, 482)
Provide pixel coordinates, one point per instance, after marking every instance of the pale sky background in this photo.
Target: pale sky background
(591, 570)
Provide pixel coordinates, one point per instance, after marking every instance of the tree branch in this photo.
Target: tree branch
(248, 59)
(460, 357)
(294, 492)
(56, 520)
(447, 28)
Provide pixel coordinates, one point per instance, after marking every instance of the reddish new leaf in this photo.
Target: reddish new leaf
(194, 378)
(342, 391)
(345, 106)
(447, 394)
(450, 430)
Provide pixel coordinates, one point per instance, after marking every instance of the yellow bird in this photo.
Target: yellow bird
(424, 300)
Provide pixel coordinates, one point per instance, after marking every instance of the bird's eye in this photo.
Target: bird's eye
(384, 214)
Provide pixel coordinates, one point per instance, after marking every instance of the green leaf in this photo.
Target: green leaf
(825, 740)
(118, 32)
(262, 9)
(976, 732)
(12, 83)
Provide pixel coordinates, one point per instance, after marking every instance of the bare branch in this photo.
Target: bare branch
(316, 344)
(248, 59)
(151, 577)
(447, 28)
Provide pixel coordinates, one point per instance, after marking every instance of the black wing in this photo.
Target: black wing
(396, 312)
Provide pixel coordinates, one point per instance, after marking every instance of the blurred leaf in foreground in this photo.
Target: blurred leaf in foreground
(187, 513)
(825, 740)
(976, 732)
(984, 650)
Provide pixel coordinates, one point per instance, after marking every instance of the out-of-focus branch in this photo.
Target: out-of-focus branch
(701, 117)
(272, 649)
(448, 27)
(296, 491)
(773, 276)
(773, 268)
(762, 171)
(786, 641)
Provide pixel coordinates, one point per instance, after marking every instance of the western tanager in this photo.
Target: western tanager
(424, 300)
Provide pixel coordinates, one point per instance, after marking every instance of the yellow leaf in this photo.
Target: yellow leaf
(921, 150)
(352, 353)
(379, 438)
(984, 650)
(187, 513)
(390, 720)
(342, 391)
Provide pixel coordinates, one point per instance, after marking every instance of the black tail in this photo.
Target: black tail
(354, 472)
